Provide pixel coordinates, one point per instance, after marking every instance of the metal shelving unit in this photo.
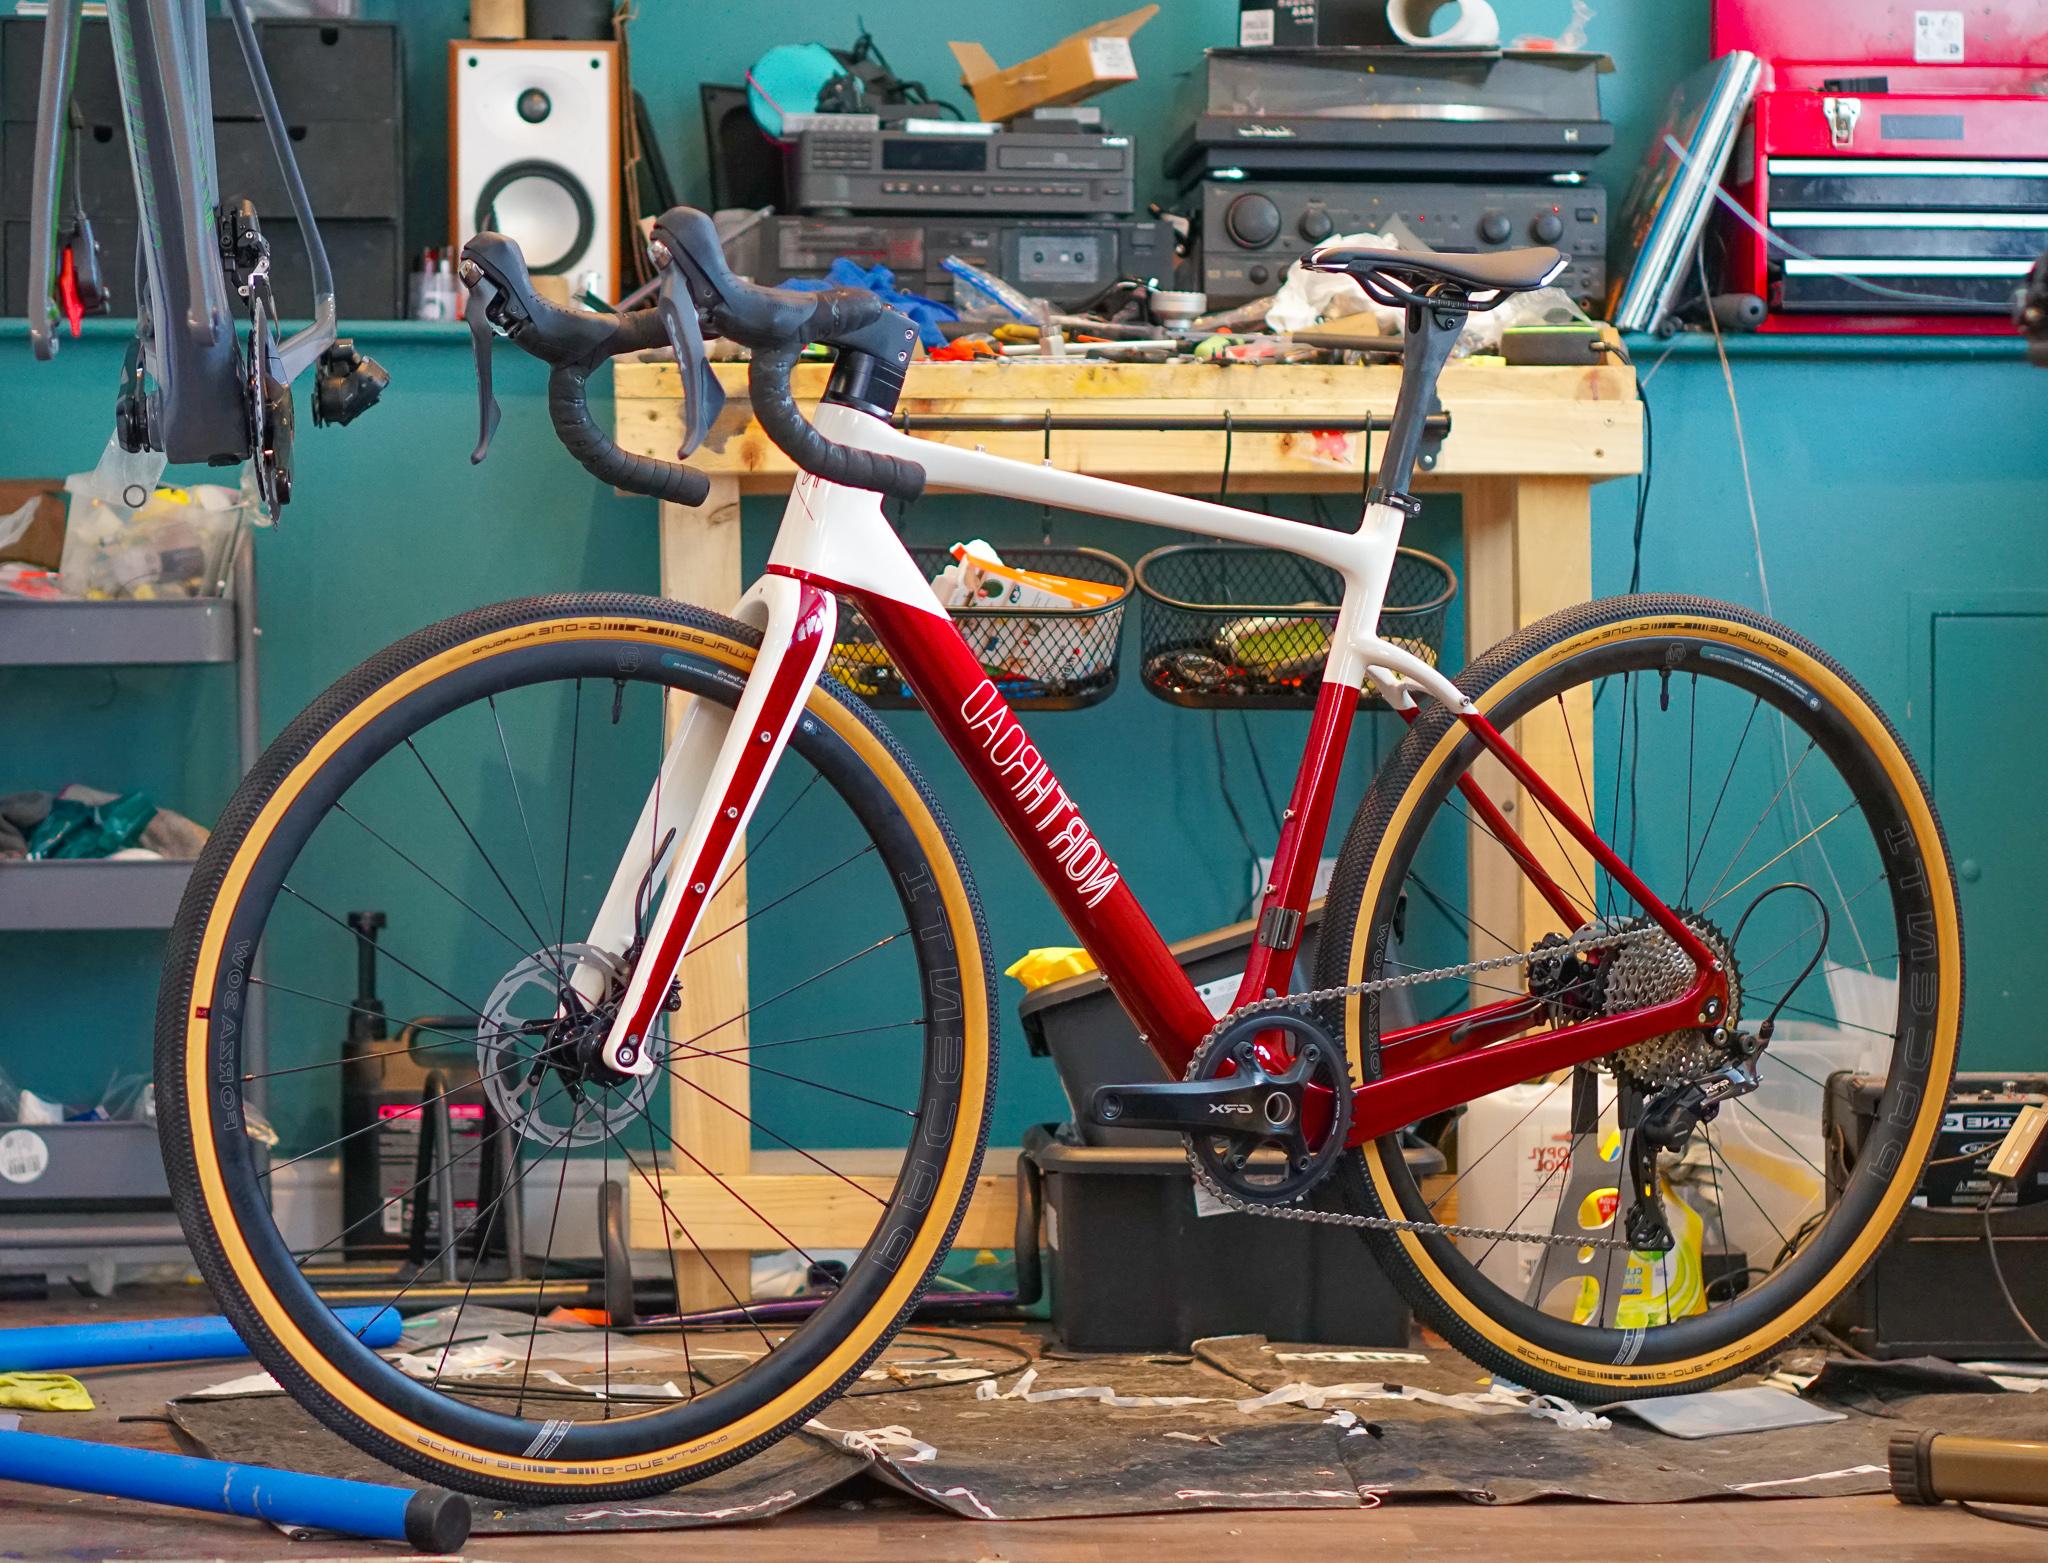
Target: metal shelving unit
(46, 1220)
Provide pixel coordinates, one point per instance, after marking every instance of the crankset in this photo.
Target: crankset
(1186, 1105)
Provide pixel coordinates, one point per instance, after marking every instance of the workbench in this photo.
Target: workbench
(1525, 447)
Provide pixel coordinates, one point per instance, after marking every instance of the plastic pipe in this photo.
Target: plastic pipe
(62, 1347)
(432, 1521)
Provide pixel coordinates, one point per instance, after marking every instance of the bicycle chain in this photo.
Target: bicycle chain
(1314, 996)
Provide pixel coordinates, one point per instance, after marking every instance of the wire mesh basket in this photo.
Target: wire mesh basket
(1059, 659)
(1228, 625)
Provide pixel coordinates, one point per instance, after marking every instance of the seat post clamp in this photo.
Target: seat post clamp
(1406, 503)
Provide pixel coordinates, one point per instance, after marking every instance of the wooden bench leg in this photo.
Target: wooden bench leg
(700, 564)
(1528, 553)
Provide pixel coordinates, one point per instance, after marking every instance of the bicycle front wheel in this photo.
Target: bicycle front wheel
(481, 780)
(1759, 793)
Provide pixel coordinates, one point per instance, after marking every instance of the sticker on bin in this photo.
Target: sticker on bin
(24, 1156)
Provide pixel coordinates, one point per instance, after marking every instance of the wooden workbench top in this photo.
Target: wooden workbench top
(1504, 421)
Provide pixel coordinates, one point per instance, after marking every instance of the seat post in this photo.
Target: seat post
(1432, 331)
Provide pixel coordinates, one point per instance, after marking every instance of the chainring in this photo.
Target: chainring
(1264, 1154)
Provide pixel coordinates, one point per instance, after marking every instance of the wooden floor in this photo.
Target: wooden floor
(874, 1525)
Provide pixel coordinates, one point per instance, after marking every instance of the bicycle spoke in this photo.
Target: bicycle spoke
(569, 828)
(456, 1041)
(737, 1057)
(540, 940)
(767, 835)
(519, 800)
(1551, 1177)
(1847, 808)
(822, 1166)
(376, 835)
(548, 1254)
(787, 1241)
(455, 998)
(669, 1242)
(403, 1194)
(755, 911)
(794, 987)
(1713, 814)
(1465, 1172)
(1783, 786)
(432, 1264)
(371, 1128)
(702, 1257)
(816, 1036)
(1770, 1129)
(1450, 911)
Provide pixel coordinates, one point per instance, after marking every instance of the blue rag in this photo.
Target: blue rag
(925, 313)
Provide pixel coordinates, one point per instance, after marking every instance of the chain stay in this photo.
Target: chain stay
(1295, 1212)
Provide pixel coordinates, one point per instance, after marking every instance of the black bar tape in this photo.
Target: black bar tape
(775, 405)
(569, 407)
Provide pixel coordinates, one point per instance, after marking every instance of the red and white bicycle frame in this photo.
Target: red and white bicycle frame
(835, 541)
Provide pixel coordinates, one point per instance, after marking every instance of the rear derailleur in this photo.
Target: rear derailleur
(1667, 1124)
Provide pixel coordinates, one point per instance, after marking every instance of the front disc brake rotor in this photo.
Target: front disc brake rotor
(537, 1051)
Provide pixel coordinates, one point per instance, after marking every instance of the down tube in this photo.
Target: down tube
(1046, 824)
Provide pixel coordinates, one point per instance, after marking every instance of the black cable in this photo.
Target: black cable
(1251, 852)
(1770, 1021)
(2003, 1516)
(1998, 1272)
(1643, 480)
(1244, 722)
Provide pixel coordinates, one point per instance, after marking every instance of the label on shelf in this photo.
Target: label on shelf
(24, 1156)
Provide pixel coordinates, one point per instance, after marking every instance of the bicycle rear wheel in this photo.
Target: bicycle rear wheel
(481, 779)
(1732, 757)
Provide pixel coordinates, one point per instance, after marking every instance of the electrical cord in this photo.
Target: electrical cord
(1998, 1272)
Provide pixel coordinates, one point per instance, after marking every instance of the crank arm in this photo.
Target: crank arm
(1229, 1105)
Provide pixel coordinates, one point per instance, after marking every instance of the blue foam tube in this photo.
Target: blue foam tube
(432, 1521)
(62, 1347)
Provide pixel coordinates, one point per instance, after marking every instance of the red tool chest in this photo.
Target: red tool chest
(1898, 157)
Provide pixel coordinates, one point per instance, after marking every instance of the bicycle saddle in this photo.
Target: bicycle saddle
(1502, 271)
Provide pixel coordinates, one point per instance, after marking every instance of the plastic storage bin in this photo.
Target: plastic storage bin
(1057, 660)
(1132, 1267)
(1233, 626)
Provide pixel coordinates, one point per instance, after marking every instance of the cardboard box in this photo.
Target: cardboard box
(1312, 24)
(1078, 66)
(43, 543)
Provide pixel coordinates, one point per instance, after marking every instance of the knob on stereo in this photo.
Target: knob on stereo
(1253, 221)
(1494, 227)
(1548, 228)
(1314, 225)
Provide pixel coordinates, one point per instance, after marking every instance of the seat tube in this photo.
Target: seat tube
(1431, 334)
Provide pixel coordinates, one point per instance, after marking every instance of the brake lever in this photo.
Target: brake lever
(482, 340)
(703, 396)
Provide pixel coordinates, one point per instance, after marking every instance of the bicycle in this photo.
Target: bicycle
(1691, 1063)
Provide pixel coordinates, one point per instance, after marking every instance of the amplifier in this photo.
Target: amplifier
(1253, 231)
(1066, 262)
(1058, 172)
(1932, 1291)
(1912, 212)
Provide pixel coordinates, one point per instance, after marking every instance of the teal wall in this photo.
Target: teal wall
(1889, 480)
